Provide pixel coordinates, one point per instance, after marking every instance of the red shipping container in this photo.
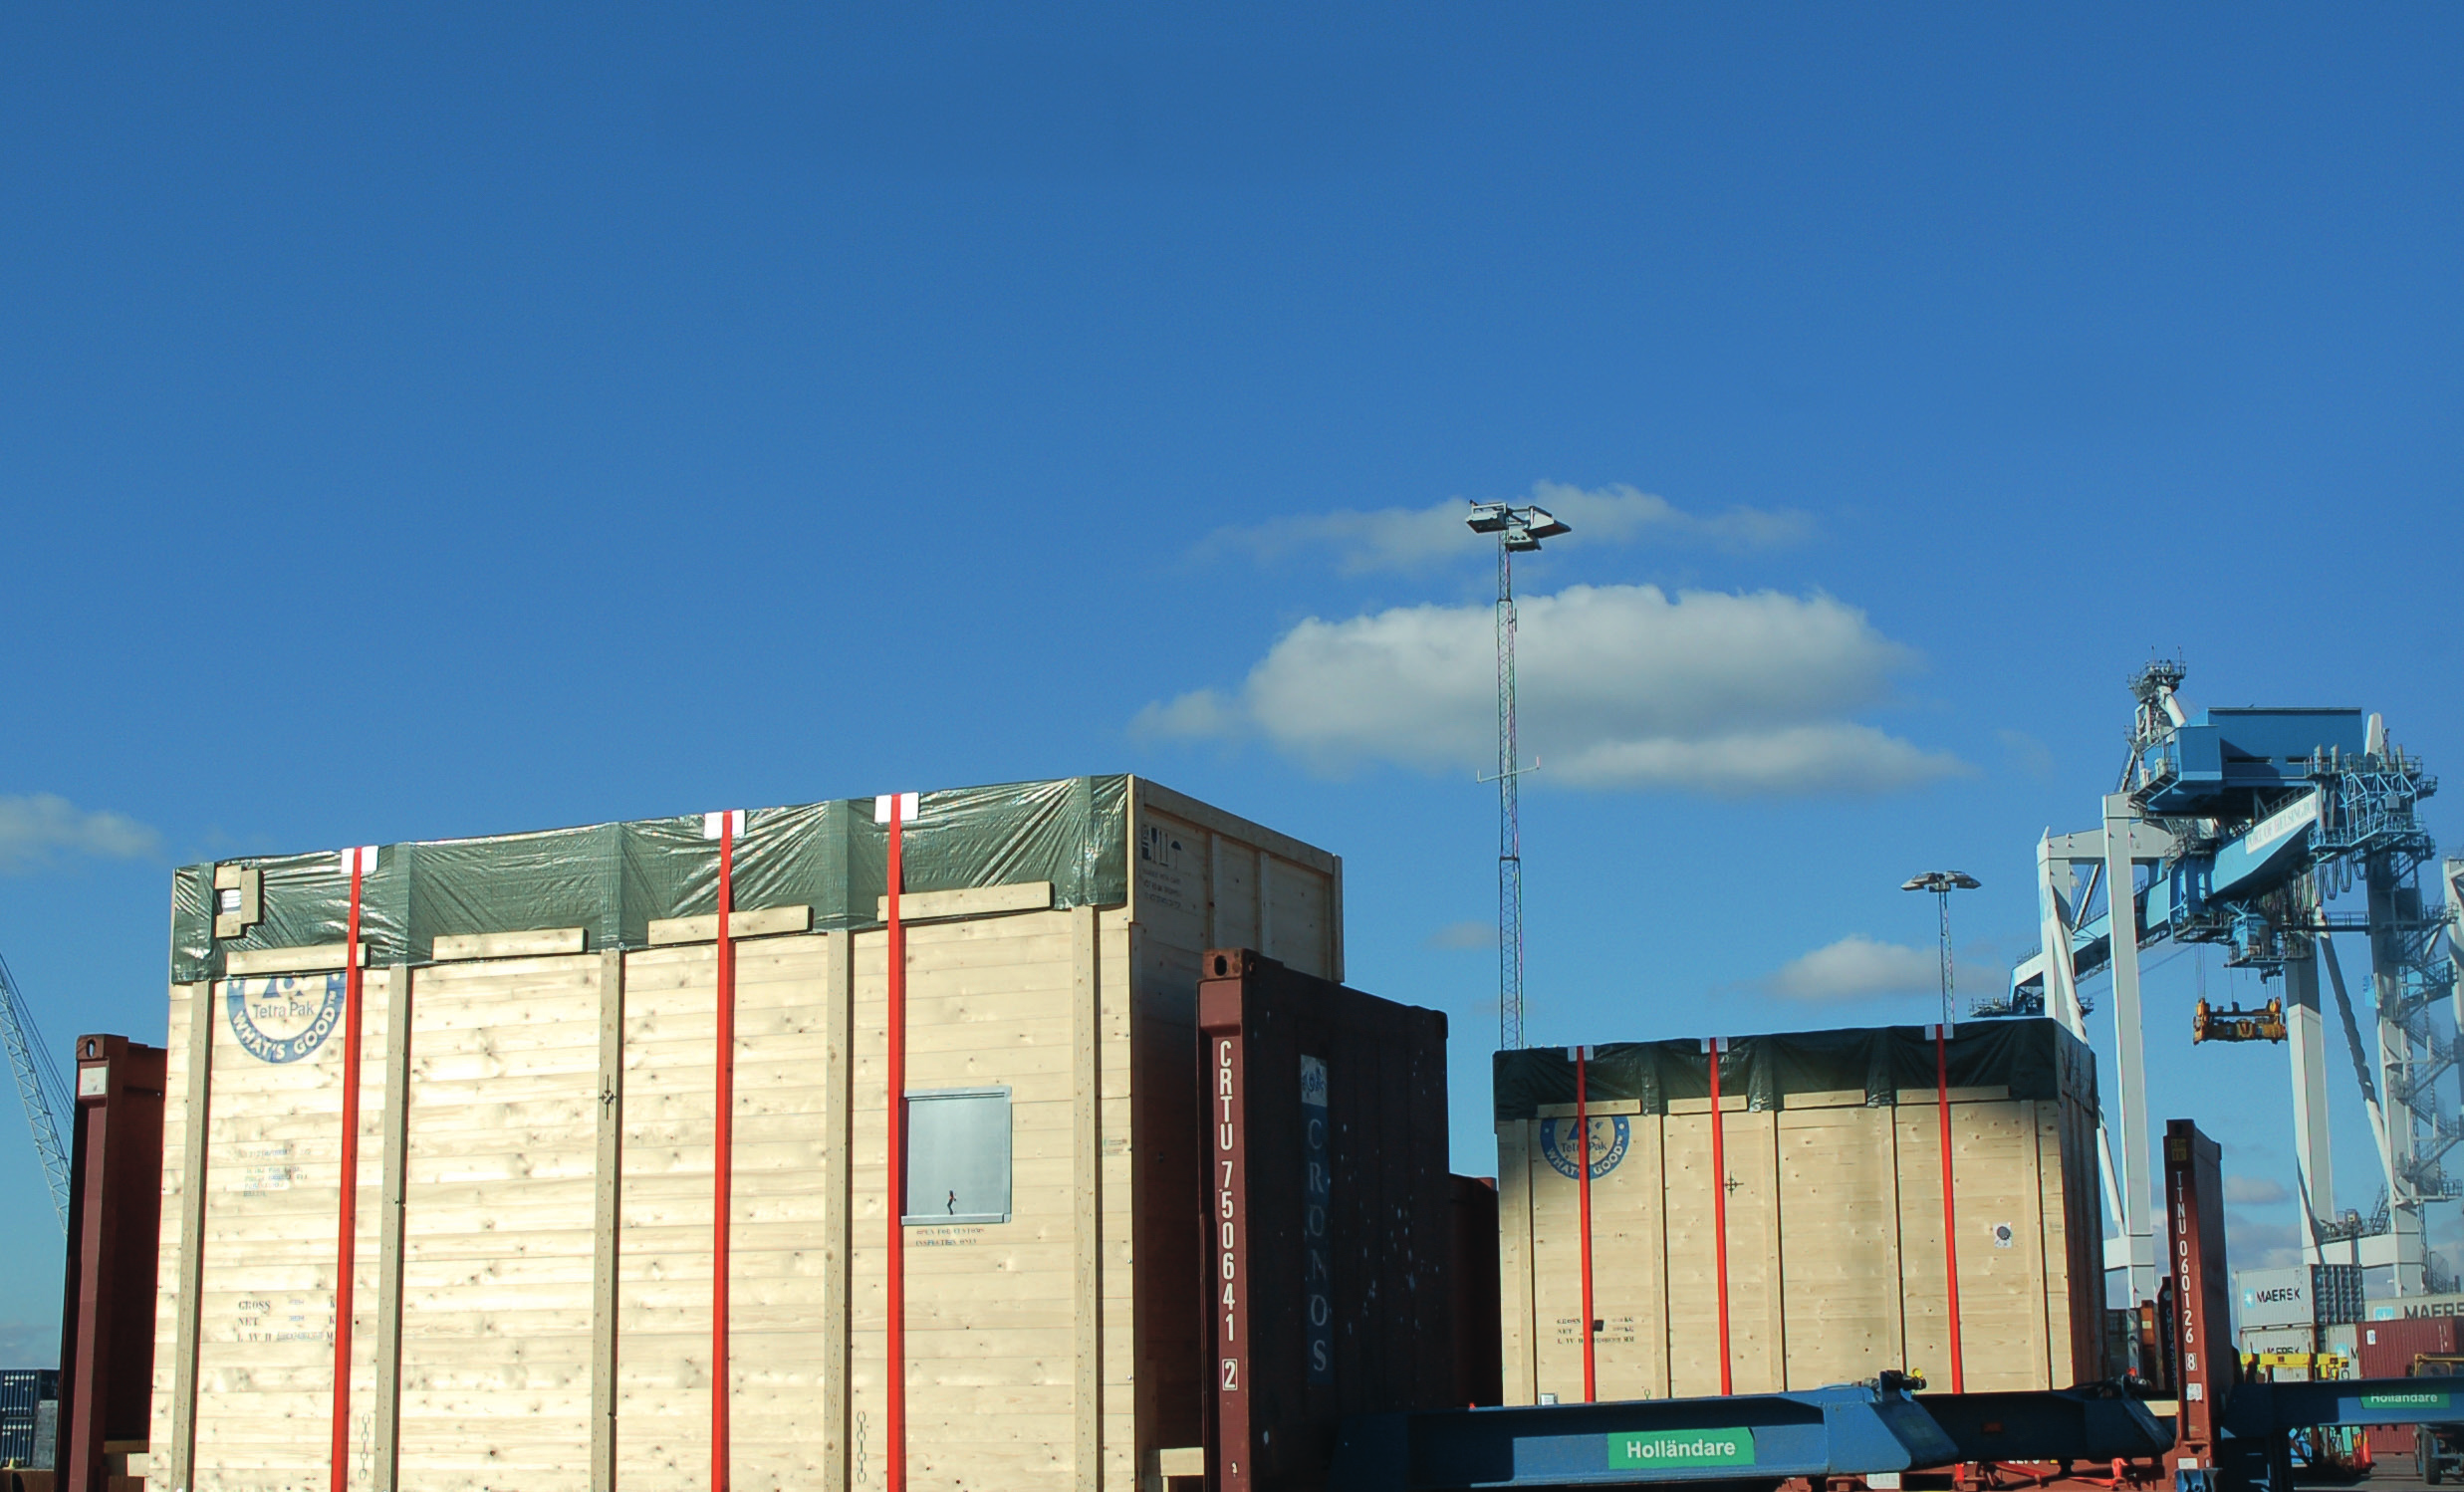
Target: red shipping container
(2388, 1350)
(1330, 1216)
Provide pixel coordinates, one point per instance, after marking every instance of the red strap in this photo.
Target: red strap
(1719, 1212)
(722, 1187)
(346, 1251)
(896, 949)
(1950, 1220)
(1582, 1183)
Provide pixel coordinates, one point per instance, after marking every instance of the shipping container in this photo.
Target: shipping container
(1329, 1215)
(1830, 1190)
(532, 1296)
(2388, 1350)
(2274, 1298)
(106, 1337)
(23, 1391)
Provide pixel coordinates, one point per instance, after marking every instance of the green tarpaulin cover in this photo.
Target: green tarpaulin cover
(2034, 1058)
(614, 879)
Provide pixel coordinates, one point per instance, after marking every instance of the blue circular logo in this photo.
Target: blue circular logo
(285, 1018)
(1608, 1139)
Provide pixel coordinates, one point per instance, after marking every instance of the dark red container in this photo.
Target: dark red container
(2387, 1351)
(106, 1337)
(1330, 1217)
(1479, 1348)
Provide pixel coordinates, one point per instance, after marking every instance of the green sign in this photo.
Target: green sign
(2403, 1400)
(1644, 1450)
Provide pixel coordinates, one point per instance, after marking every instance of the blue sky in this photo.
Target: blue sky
(472, 419)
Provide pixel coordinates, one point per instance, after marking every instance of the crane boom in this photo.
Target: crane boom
(32, 1067)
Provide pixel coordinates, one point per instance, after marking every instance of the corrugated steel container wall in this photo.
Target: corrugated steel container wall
(21, 1391)
(1833, 1208)
(1478, 1353)
(531, 1260)
(106, 1346)
(2386, 1350)
(1331, 1216)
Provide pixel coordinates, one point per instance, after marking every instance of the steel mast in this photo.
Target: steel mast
(1518, 529)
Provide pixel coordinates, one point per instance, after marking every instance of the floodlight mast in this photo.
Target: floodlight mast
(1942, 883)
(1519, 530)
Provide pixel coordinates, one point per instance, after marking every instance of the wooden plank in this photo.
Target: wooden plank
(1839, 1243)
(1694, 1299)
(1993, 1094)
(1758, 1320)
(498, 1325)
(1124, 1414)
(1146, 793)
(1629, 1282)
(309, 958)
(540, 941)
(1302, 902)
(1924, 1297)
(2003, 1327)
(1086, 1206)
(1266, 903)
(394, 1179)
(743, 923)
(1514, 1257)
(196, 1093)
(971, 901)
(838, 997)
(606, 1208)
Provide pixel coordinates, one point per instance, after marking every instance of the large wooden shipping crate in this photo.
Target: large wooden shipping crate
(1833, 1192)
(531, 1266)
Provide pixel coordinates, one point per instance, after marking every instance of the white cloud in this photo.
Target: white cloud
(1413, 539)
(36, 829)
(1472, 934)
(2255, 1191)
(1856, 968)
(2262, 1245)
(1621, 686)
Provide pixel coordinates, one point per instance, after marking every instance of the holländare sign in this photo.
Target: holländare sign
(1646, 1449)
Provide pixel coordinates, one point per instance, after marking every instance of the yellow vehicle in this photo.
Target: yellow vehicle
(2438, 1449)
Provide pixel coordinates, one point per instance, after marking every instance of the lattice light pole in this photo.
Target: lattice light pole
(1518, 529)
(1942, 883)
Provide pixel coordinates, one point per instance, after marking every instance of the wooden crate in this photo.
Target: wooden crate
(532, 1262)
(1836, 1261)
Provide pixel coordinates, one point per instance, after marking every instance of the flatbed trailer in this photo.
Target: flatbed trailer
(2227, 1435)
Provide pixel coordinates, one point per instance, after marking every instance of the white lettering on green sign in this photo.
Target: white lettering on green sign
(1650, 1448)
(2403, 1400)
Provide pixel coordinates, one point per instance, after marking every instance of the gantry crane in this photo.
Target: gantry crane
(39, 1089)
(2251, 826)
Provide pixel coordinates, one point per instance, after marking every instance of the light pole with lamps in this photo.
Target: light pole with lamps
(1942, 883)
(1519, 530)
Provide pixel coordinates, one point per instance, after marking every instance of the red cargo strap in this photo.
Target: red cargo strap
(357, 861)
(723, 1161)
(1950, 1220)
(1719, 1204)
(1582, 1184)
(895, 809)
